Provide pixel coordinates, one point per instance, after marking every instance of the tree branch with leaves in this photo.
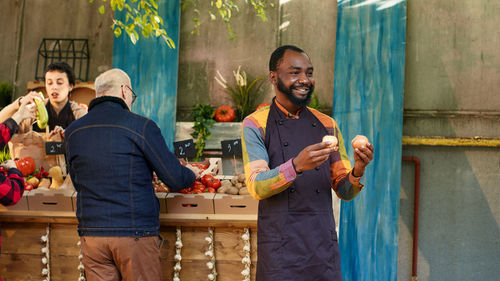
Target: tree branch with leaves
(140, 16)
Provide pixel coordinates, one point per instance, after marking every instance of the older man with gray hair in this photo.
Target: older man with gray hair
(111, 154)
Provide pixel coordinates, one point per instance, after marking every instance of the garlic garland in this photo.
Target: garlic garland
(177, 257)
(81, 268)
(211, 255)
(246, 259)
(46, 250)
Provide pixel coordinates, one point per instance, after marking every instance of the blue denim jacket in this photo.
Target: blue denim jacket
(111, 154)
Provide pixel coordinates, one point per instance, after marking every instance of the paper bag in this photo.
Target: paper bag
(32, 144)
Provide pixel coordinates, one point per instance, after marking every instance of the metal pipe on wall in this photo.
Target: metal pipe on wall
(416, 196)
(451, 141)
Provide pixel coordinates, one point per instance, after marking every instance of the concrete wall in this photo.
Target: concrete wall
(32, 20)
(451, 85)
(293, 22)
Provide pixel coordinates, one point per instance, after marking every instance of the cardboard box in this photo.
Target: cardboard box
(162, 197)
(21, 205)
(235, 204)
(215, 167)
(190, 203)
(50, 200)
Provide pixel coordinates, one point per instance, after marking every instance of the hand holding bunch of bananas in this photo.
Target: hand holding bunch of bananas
(32, 106)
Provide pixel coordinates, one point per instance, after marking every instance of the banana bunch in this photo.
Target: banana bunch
(42, 117)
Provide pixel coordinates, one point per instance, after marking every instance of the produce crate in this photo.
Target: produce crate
(235, 204)
(50, 200)
(21, 205)
(162, 197)
(215, 167)
(190, 203)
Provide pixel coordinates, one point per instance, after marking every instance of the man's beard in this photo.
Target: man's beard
(291, 97)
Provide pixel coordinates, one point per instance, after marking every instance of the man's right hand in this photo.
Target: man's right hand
(312, 156)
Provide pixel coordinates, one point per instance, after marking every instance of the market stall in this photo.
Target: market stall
(204, 232)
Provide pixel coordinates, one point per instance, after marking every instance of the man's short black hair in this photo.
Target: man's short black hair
(277, 55)
(62, 67)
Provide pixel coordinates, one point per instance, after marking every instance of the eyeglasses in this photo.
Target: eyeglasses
(134, 96)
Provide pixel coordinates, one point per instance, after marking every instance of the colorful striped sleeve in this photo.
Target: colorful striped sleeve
(345, 185)
(261, 181)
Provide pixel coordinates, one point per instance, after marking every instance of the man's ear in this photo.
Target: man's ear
(273, 77)
(123, 94)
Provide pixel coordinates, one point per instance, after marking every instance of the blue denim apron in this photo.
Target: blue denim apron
(296, 234)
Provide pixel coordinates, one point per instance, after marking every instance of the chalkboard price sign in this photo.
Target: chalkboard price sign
(54, 148)
(231, 147)
(184, 149)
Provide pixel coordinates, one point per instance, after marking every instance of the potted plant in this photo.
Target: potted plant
(203, 121)
(244, 94)
(5, 94)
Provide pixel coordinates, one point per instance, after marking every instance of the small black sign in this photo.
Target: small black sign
(54, 148)
(184, 149)
(231, 147)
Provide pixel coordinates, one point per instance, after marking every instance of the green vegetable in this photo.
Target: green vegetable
(42, 117)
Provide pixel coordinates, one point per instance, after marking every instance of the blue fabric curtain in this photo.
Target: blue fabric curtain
(368, 100)
(153, 68)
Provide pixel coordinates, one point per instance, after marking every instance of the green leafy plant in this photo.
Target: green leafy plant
(142, 16)
(4, 154)
(5, 93)
(244, 94)
(203, 121)
(317, 104)
(314, 101)
(224, 10)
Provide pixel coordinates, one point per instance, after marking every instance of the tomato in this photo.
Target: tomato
(215, 183)
(198, 187)
(224, 113)
(28, 186)
(206, 178)
(211, 190)
(262, 105)
(26, 165)
(186, 190)
(209, 181)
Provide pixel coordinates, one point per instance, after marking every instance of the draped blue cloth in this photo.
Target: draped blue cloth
(368, 100)
(153, 69)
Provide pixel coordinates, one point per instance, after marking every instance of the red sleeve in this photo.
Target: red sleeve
(7, 129)
(11, 186)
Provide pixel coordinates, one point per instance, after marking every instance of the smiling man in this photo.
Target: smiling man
(292, 172)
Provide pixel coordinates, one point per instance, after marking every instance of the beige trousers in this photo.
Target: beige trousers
(121, 258)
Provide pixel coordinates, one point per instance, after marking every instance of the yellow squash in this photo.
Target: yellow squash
(42, 117)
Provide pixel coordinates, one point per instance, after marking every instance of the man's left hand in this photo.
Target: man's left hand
(362, 157)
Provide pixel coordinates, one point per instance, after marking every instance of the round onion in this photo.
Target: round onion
(359, 141)
(333, 139)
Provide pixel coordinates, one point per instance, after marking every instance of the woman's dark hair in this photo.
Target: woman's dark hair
(62, 67)
(277, 55)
